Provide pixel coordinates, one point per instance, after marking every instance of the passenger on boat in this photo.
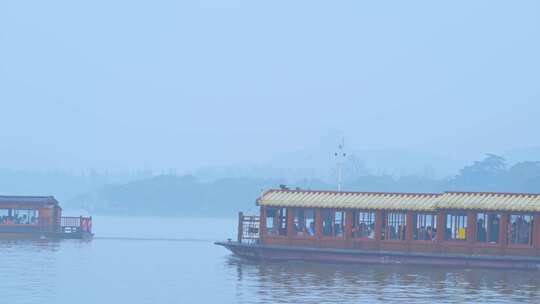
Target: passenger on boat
(338, 229)
(371, 234)
(431, 232)
(481, 232)
(311, 229)
(523, 231)
(327, 228)
(9, 220)
(299, 225)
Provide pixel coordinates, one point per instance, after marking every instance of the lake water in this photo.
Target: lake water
(173, 260)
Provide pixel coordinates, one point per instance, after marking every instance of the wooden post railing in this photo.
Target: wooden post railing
(75, 224)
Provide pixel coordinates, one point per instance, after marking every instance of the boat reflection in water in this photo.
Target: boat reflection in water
(310, 282)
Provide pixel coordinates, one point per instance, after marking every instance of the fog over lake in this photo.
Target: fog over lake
(162, 119)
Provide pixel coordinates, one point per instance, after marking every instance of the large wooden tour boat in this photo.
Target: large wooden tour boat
(475, 229)
(39, 217)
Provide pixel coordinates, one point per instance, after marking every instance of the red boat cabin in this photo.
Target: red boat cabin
(39, 216)
(451, 228)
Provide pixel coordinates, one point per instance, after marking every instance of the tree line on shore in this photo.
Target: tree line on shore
(172, 195)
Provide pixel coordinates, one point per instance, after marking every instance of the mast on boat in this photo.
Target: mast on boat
(340, 156)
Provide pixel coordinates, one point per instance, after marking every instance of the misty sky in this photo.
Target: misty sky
(187, 84)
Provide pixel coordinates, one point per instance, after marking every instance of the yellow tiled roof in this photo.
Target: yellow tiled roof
(490, 201)
(352, 200)
(402, 201)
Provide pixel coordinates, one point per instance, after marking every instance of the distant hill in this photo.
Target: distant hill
(173, 195)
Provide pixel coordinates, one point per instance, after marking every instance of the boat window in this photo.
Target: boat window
(276, 221)
(4, 215)
(304, 221)
(364, 225)
(327, 222)
(18, 216)
(394, 226)
(456, 226)
(487, 227)
(310, 221)
(520, 229)
(299, 221)
(271, 220)
(333, 223)
(424, 226)
(339, 223)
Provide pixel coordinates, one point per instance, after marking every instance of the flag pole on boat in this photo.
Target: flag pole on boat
(340, 158)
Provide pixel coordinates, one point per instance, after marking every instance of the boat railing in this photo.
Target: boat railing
(72, 224)
(248, 228)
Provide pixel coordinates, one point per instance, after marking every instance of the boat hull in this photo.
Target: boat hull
(45, 235)
(291, 253)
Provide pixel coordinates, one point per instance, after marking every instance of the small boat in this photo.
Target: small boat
(463, 229)
(40, 217)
